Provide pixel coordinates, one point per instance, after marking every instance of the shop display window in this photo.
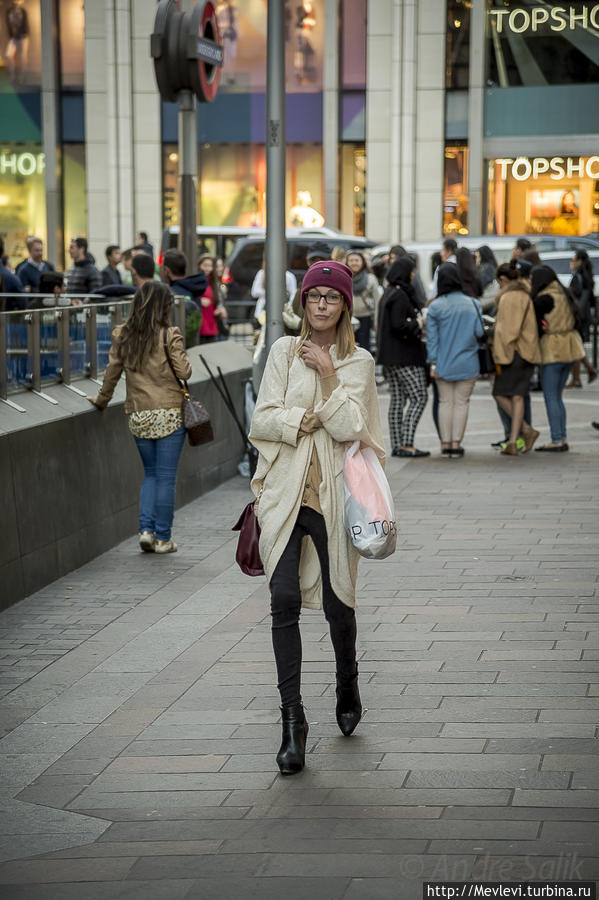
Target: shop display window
(352, 195)
(455, 189)
(72, 43)
(232, 184)
(539, 44)
(22, 197)
(543, 195)
(242, 28)
(74, 195)
(20, 46)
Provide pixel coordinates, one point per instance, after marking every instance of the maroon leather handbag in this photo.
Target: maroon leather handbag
(247, 556)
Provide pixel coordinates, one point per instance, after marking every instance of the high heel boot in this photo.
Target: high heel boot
(349, 705)
(292, 753)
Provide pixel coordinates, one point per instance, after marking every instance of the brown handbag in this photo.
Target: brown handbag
(195, 416)
(247, 556)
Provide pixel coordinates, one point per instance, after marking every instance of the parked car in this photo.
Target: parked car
(501, 245)
(560, 263)
(247, 255)
(220, 240)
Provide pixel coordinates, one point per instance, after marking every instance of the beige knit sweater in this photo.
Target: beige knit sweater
(351, 413)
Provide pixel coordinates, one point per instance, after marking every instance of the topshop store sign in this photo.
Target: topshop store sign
(546, 18)
(556, 167)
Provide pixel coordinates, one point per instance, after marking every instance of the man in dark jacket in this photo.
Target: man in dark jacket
(110, 273)
(31, 269)
(191, 287)
(83, 277)
(10, 284)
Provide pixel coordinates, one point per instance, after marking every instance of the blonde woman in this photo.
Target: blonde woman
(317, 393)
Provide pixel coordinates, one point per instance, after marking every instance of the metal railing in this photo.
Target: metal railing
(61, 343)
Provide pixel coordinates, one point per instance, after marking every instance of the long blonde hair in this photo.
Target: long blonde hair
(345, 341)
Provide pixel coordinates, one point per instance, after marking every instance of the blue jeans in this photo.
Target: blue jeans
(553, 380)
(157, 497)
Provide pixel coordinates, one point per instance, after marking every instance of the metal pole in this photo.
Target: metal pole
(188, 179)
(51, 132)
(275, 249)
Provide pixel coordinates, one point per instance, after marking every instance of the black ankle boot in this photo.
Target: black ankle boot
(291, 755)
(349, 705)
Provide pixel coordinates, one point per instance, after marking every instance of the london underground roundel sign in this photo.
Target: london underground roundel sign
(186, 50)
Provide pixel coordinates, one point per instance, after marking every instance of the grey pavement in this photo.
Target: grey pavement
(140, 716)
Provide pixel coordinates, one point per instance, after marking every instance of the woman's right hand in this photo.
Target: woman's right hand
(206, 301)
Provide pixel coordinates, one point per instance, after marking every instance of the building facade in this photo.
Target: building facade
(406, 119)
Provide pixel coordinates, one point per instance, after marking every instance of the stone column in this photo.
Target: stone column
(54, 249)
(380, 151)
(476, 117)
(330, 115)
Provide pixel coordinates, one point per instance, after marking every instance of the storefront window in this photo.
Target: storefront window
(20, 46)
(544, 195)
(542, 44)
(353, 46)
(74, 196)
(22, 197)
(457, 48)
(72, 43)
(455, 197)
(352, 197)
(233, 184)
(242, 28)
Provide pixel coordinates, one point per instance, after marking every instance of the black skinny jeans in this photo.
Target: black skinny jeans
(285, 608)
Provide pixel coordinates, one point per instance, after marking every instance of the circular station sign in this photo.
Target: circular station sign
(186, 50)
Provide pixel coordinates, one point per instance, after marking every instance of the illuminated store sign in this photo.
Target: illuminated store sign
(22, 164)
(556, 167)
(558, 18)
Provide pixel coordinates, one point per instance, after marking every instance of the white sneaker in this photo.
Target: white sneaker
(165, 546)
(146, 541)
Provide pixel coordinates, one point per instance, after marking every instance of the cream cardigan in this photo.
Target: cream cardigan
(351, 413)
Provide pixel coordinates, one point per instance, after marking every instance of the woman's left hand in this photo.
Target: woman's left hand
(318, 358)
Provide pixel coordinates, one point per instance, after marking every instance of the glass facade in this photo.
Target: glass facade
(542, 44)
(457, 45)
(22, 196)
(455, 189)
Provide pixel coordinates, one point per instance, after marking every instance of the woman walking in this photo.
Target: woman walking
(403, 353)
(317, 393)
(214, 314)
(582, 288)
(471, 283)
(367, 292)
(561, 346)
(515, 351)
(453, 326)
(141, 348)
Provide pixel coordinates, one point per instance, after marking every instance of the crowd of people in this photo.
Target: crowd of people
(35, 283)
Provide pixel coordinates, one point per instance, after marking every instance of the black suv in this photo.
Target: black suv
(246, 260)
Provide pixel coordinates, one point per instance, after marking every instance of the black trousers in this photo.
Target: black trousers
(285, 608)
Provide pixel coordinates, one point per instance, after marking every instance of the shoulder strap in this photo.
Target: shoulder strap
(480, 318)
(170, 362)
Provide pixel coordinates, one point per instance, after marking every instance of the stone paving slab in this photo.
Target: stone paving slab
(139, 714)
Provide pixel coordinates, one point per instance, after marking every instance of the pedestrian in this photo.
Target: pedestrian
(403, 353)
(398, 252)
(453, 327)
(51, 284)
(486, 265)
(317, 394)
(515, 351)
(582, 288)
(339, 254)
(141, 349)
(191, 287)
(367, 293)
(258, 289)
(561, 346)
(471, 283)
(10, 284)
(83, 277)
(110, 273)
(31, 269)
(520, 247)
(214, 314)
(447, 254)
(531, 255)
(141, 239)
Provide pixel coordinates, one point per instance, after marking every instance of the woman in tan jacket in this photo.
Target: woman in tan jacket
(314, 397)
(515, 351)
(153, 404)
(561, 346)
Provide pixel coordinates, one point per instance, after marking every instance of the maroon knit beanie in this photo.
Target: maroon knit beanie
(332, 274)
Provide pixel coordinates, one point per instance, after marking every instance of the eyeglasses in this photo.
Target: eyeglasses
(331, 299)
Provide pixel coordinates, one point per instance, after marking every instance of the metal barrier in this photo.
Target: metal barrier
(58, 344)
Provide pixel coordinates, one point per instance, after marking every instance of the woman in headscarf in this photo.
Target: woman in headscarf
(561, 346)
(453, 326)
(403, 353)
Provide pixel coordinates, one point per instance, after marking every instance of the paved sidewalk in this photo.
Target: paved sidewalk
(140, 714)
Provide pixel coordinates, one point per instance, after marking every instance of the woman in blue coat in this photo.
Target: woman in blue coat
(453, 327)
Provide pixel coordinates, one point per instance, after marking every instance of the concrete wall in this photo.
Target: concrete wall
(70, 475)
